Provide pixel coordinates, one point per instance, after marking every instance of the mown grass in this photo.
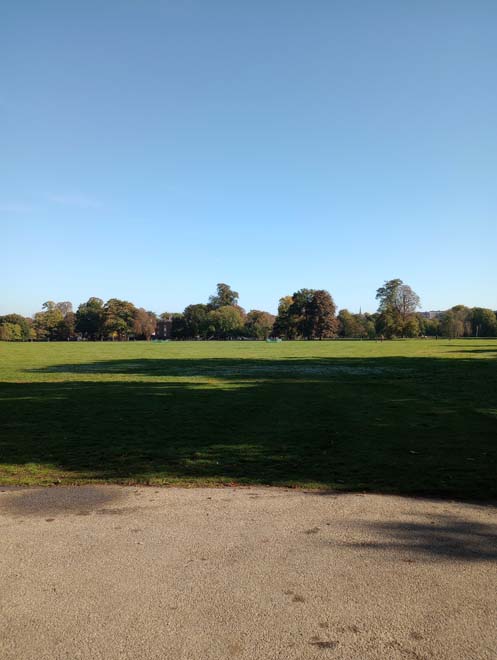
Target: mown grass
(414, 416)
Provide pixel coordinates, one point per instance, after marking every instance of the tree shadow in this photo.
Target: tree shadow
(492, 350)
(442, 536)
(403, 425)
(225, 368)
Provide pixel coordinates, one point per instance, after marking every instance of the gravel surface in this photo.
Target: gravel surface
(120, 572)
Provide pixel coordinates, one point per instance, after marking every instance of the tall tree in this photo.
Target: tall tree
(90, 319)
(312, 312)
(64, 307)
(320, 313)
(120, 316)
(284, 325)
(47, 321)
(66, 328)
(144, 324)
(224, 297)
(452, 325)
(298, 312)
(397, 305)
(194, 321)
(309, 313)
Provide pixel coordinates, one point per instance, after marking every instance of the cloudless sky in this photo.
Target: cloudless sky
(150, 149)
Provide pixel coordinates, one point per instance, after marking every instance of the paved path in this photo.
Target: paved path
(139, 573)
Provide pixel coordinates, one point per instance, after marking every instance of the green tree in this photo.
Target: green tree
(64, 307)
(224, 297)
(427, 326)
(10, 332)
(66, 328)
(386, 325)
(259, 324)
(119, 318)
(320, 314)
(456, 322)
(195, 322)
(298, 312)
(368, 323)
(397, 305)
(410, 327)
(451, 326)
(284, 325)
(47, 322)
(349, 326)
(432, 327)
(90, 319)
(226, 322)
(483, 322)
(309, 313)
(23, 323)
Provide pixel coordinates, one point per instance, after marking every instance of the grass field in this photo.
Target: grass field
(414, 416)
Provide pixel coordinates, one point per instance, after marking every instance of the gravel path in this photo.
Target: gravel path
(139, 573)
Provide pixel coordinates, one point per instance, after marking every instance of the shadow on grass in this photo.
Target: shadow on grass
(405, 425)
(293, 367)
(492, 350)
(231, 369)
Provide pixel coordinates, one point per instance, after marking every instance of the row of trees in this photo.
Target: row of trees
(221, 318)
(94, 320)
(397, 316)
(307, 314)
(459, 321)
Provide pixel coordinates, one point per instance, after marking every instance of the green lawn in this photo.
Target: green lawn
(414, 416)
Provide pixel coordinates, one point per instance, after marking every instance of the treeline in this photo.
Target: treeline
(307, 314)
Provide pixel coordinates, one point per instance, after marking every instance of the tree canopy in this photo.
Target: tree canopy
(306, 314)
(224, 297)
(397, 306)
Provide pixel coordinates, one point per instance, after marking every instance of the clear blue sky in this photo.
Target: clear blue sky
(152, 149)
